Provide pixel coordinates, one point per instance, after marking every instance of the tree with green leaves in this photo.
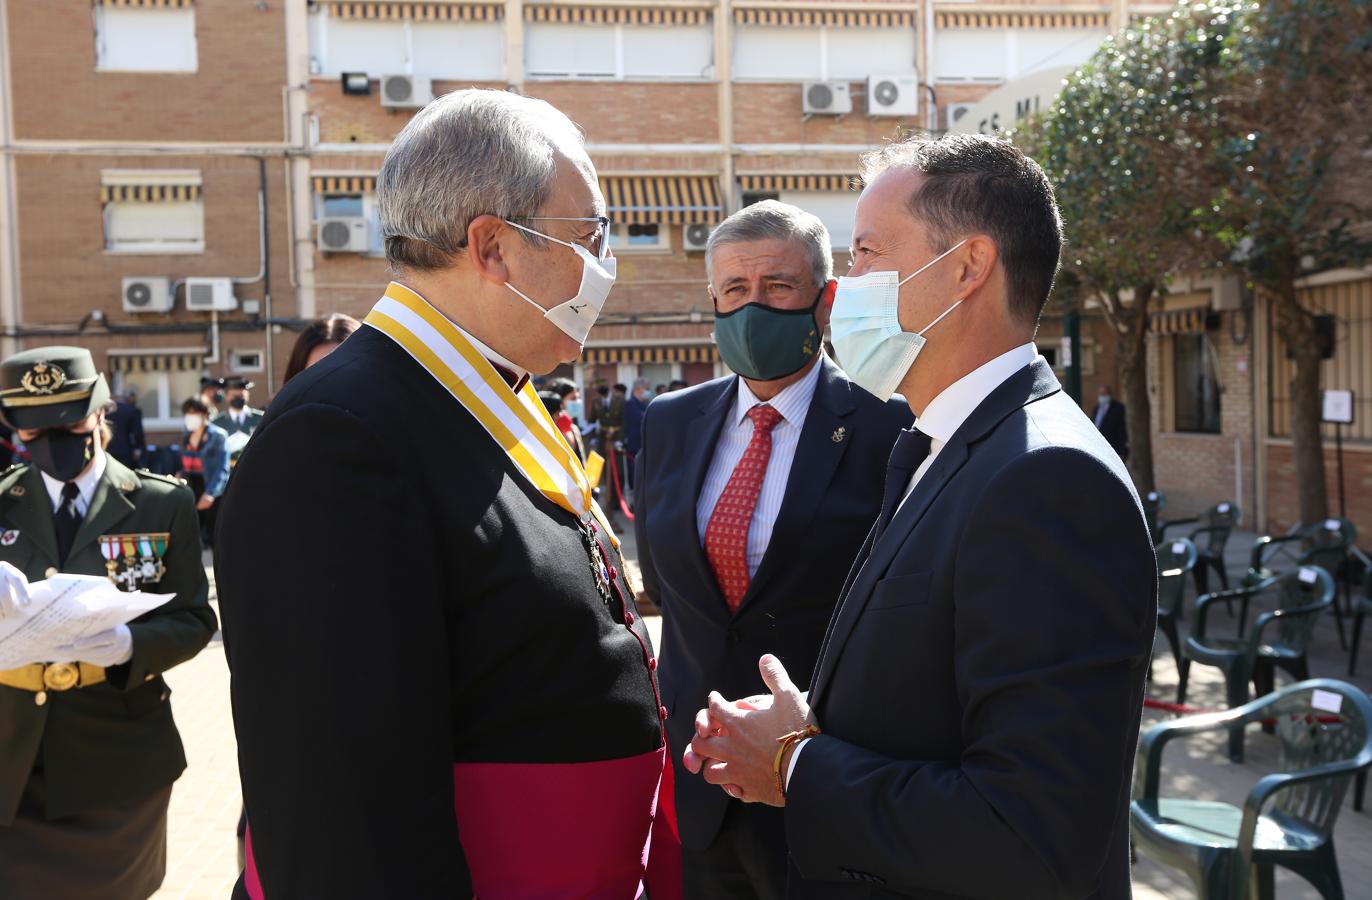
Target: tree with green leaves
(1118, 147)
(1292, 173)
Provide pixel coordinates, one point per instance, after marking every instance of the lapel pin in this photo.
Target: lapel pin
(9, 537)
(839, 434)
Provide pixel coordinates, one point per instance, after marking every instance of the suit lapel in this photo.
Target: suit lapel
(702, 435)
(34, 517)
(1032, 383)
(817, 458)
(108, 506)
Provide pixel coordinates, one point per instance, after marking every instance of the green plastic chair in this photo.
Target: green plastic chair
(1327, 545)
(1210, 538)
(1288, 817)
(1300, 597)
(1153, 502)
(1176, 560)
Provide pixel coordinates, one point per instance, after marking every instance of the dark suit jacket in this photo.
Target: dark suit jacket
(412, 603)
(981, 683)
(128, 439)
(114, 743)
(832, 497)
(1114, 428)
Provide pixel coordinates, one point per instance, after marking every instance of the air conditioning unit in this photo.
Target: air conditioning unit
(343, 234)
(143, 294)
(405, 91)
(893, 95)
(827, 98)
(210, 295)
(953, 112)
(695, 237)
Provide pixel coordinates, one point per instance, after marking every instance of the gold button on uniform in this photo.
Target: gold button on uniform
(40, 698)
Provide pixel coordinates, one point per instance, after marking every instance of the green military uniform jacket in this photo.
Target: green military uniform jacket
(115, 742)
(251, 419)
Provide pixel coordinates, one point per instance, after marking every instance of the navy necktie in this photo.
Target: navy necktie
(67, 521)
(910, 451)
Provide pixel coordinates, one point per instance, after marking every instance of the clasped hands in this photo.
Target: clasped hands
(735, 743)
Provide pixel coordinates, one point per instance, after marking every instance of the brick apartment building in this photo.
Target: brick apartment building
(184, 182)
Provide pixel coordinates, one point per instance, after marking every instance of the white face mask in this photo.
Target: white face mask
(865, 327)
(576, 316)
(193, 422)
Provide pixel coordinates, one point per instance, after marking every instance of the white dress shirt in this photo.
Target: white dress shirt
(1102, 407)
(944, 416)
(793, 403)
(86, 484)
(519, 372)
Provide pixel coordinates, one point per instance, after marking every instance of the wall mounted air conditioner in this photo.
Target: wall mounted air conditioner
(953, 112)
(827, 98)
(405, 91)
(210, 295)
(343, 234)
(144, 294)
(695, 237)
(893, 95)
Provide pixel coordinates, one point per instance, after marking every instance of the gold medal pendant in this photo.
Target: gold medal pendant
(598, 568)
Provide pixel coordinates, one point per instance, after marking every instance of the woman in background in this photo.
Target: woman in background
(320, 338)
(204, 462)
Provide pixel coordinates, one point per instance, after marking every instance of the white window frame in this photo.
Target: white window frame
(237, 366)
(319, 45)
(101, 32)
(168, 416)
(133, 177)
(707, 76)
(824, 74)
(621, 229)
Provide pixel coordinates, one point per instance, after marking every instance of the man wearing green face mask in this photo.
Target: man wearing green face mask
(754, 495)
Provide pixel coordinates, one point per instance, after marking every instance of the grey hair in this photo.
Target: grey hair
(642, 383)
(468, 153)
(774, 220)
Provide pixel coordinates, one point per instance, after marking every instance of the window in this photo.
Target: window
(153, 212)
(160, 393)
(834, 208)
(343, 205)
(762, 52)
(1196, 401)
(638, 237)
(246, 361)
(972, 54)
(1053, 48)
(558, 50)
(435, 49)
(144, 40)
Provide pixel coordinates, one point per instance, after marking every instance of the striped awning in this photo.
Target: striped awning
(422, 10)
(148, 4)
(1021, 20)
(156, 362)
(1193, 320)
(686, 354)
(845, 18)
(149, 193)
(617, 15)
(667, 200)
(344, 184)
(810, 183)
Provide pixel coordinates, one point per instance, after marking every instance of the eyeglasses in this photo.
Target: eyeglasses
(600, 241)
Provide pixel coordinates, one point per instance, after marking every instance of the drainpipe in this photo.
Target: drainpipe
(9, 206)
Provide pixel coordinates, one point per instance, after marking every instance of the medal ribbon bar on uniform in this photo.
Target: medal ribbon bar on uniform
(519, 423)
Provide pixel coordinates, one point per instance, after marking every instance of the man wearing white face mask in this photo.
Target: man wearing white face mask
(970, 728)
(447, 639)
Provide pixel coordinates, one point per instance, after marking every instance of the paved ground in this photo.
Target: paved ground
(205, 803)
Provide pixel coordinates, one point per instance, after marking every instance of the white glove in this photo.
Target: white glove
(14, 592)
(108, 648)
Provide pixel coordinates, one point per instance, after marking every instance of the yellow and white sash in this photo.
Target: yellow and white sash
(519, 422)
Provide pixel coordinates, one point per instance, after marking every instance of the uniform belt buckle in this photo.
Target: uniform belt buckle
(61, 676)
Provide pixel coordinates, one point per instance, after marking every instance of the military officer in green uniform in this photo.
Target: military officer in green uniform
(240, 418)
(88, 748)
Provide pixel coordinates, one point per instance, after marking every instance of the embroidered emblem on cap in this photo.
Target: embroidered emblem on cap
(43, 378)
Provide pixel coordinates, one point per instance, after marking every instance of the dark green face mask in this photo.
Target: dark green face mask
(763, 343)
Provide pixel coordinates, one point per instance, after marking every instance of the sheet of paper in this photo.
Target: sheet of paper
(237, 441)
(61, 610)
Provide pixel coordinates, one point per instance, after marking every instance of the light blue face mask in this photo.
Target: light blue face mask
(574, 408)
(865, 329)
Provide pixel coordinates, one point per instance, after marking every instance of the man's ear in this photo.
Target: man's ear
(486, 237)
(978, 259)
(825, 306)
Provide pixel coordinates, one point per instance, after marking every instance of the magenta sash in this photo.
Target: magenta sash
(570, 831)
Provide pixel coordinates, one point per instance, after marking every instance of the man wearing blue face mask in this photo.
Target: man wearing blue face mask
(755, 492)
(971, 724)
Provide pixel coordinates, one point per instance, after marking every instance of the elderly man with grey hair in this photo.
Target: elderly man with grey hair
(441, 687)
(754, 495)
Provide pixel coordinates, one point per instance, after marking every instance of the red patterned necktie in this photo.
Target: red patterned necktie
(726, 537)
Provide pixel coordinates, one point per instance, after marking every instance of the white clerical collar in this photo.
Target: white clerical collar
(792, 401)
(945, 413)
(85, 483)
